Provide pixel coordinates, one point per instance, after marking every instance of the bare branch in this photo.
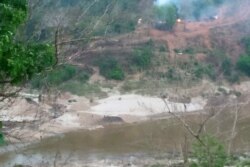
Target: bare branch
(195, 135)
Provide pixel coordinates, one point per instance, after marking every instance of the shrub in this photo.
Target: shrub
(209, 154)
(172, 74)
(2, 141)
(142, 57)
(226, 67)
(246, 42)
(167, 13)
(162, 48)
(110, 68)
(123, 26)
(60, 75)
(243, 64)
(234, 77)
(189, 51)
(201, 69)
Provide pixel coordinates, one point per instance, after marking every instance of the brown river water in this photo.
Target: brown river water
(138, 143)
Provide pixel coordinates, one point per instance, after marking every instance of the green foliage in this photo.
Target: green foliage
(114, 17)
(162, 48)
(199, 70)
(172, 74)
(234, 77)
(209, 154)
(122, 26)
(81, 89)
(246, 42)
(226, 67)
(243, 64)
(168, 13)
(216, 56)
(110, 69)
(244, 163)
(2, 141)
(189, 51)
(142, 56)
(19, 61)
(59, 76)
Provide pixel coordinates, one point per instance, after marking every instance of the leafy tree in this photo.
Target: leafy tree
(110, 68)
(168, 13)
(19, 60)
(243, 64)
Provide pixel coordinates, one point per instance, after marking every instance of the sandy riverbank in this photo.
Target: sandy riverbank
(73, 112)
(28, 120)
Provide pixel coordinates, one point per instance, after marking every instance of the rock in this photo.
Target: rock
(112, 119)
(72, 101)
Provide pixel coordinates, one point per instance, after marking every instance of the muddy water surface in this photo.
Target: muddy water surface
(128, 143)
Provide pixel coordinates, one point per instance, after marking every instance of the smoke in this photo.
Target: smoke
(194, 9)
(162, 2)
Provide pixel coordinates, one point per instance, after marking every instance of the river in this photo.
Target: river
(138, 144)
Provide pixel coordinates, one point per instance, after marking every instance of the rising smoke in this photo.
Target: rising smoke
(194, 9)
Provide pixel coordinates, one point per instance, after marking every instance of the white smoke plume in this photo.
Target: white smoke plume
(189, 9)
(162, 2)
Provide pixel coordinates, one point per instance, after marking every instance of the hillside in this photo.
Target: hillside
(195, 49)
(144, 83)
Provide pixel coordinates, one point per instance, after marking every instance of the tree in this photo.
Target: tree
(243, 64)
(167, 13)
(246, 43)
(19, 60)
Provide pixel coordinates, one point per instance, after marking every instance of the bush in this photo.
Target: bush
(246, 42)
(162, 48)
(142, 57)
(60, 75)
(167, 13)
(226, 67)
(172, 74)
(209, 154)
(2, 141)
(200, 70)
(234, 77)
(110, 69)
(243, 64)
(189, 51)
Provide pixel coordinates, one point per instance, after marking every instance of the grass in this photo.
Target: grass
(145, 87)
(82, 89)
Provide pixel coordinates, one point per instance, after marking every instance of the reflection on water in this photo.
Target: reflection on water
(131, 140)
